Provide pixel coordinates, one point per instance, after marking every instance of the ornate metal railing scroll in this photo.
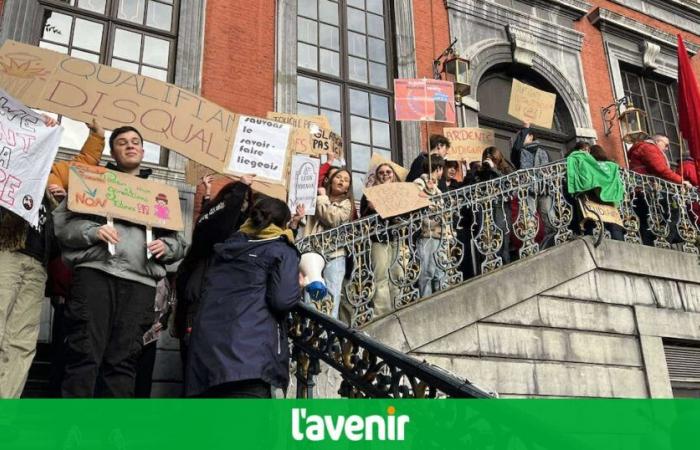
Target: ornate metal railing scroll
(483, 226)
(368, 368)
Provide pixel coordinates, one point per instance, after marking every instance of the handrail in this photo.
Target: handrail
(369, 368)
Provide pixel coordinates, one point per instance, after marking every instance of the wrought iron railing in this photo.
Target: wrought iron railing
(368, 368)
(486, 225)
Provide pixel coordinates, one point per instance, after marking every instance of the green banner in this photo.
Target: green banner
(338, 424)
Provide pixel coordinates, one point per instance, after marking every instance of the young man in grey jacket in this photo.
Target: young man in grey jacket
(112, 297)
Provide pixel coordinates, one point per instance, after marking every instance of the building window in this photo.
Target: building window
(345, 73)
(138, 36)
(656, 98)
(683, 362)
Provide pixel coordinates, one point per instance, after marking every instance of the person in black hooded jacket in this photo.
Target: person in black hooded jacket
(220, 218)
(239, 345)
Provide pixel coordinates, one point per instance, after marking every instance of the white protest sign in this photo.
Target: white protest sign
(303, 181)
(27, 151)
(260, 148)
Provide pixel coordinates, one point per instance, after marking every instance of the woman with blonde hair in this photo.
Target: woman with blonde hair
(384, 252)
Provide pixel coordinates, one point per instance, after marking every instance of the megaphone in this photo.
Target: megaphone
(311, 266)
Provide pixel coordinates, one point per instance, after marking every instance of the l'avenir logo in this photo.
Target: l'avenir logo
(314, 427)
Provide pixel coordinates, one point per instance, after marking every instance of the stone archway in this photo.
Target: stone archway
(492, 52)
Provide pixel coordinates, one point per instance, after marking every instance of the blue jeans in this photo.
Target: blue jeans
(432, 277)
(333, 275)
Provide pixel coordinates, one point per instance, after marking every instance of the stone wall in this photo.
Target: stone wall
(575, 321)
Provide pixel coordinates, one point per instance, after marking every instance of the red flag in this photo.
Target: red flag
(688, 103)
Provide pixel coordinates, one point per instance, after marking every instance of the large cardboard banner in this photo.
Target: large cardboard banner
(468, 143)
(27, 151)
(83, 90)
(107, 193)
(303, 182)
(532, 105)
(378, 160)
(424, 100)
(392, 199)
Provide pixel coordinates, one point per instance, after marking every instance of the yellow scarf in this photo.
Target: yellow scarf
(270, 232)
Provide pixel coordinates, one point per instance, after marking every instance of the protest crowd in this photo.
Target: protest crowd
(116, 283)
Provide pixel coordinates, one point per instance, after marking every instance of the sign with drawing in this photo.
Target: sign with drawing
(27, 151)
(424, 100)
(303, 182)
(531, 105)
(107, 193)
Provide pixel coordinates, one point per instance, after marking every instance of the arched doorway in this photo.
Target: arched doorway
(493, 95)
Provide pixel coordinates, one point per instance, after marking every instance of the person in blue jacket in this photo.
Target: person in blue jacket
(238, 347)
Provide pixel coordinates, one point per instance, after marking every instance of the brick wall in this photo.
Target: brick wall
(596, 73)
(432, 33)
(239, 55)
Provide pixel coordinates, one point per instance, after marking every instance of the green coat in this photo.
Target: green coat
(584, 173)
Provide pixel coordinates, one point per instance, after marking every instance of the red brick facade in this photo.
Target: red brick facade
(239, 55)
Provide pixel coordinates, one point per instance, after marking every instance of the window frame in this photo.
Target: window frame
(346, 83)
(672, 86)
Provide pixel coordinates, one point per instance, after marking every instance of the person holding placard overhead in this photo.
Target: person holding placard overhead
(112, 297)
(527, 153)
(334, 207)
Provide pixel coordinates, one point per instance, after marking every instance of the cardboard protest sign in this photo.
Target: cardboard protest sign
(303, 182)
(27, 151)
(260, 147)
(320, 138)
(392, 199)
(532, 105)
(468, 143)
(107, 193)
(82, 90)
(424, 100)
(607, 213)
(378, 160)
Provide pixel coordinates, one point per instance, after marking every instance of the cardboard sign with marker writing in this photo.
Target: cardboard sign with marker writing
(82, 90)
(468, 143)
(607, 213)
(107, 193)
(532, 105)
(378, 160)
(392, 199)
(320, 138)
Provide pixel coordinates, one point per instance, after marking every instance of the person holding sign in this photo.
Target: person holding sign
(384, 254)
(334, 207)
(112, 297)
(239, 345)
(433, 230)
(24, 254)
(527, 153)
